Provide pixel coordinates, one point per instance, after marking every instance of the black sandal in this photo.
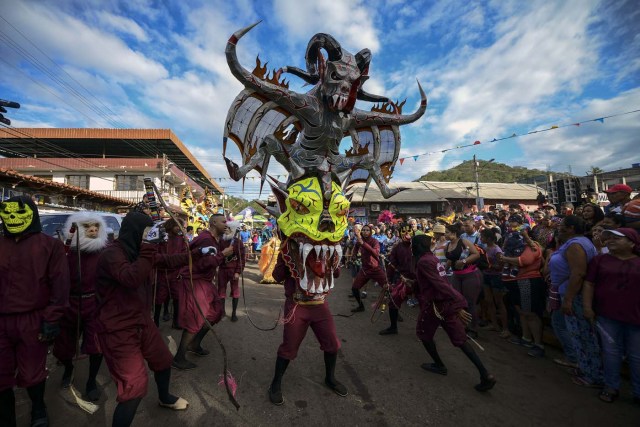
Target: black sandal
(436, 369)
(608, 395)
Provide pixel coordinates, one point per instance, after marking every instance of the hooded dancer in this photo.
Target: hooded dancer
(167, 282)
(230, 271)
(441, 305)
(206, 294)
(307, 311)
(34, 292)
(127, 335)
(83, 263)
(371, 269)
(398, 270)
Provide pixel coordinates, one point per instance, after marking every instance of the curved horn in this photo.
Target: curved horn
(363, 58)
(382, 119)
(240, 73)
(317, 42)
(311, 79)
(366, 96)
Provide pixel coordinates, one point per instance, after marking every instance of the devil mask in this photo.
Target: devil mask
(20, 216)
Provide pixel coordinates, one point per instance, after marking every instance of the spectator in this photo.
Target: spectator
(527, 293)
(592, 214)
(618, 195)
(190, 233)
(514, 244)
(494, 289)
(568, 266)
(566, 209)
(550, 210)
(466, 279)
(613, 220)
(612, 299)
(631, 213)
(470, 233)
(543, 230)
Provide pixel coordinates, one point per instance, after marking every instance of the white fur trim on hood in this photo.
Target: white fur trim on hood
(86, 244)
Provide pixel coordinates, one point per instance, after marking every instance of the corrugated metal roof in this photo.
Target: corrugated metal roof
(488, 190)
(415, 192)
(25, 164)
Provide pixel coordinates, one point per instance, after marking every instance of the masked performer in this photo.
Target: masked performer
(399, 270)
(166, 282)
(230, 271)
(269, 259)
(369, 249)
(126, 333)
(441, 305)
(303, 132)
(83, 261)
(206, 294)
(34, 292)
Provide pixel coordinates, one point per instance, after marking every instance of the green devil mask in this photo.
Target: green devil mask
(17, 216)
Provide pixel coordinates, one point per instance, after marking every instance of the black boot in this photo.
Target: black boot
(179, 360)
(487, 381)
(166, 316)
(92, 392)
(330, 379)
(7, 408)
(124, 413)
(393, 317)
(39, 417)
(163, 378)
(68, 373)
(275, 391)
(234, 304)
(224, 307)
(437, 367)
(195, 347)
(176, 308)
(356, 295)
(156, 314)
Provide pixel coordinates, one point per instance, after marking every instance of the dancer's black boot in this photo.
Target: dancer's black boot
(157, 309)
(125, 412)
(39, 417)
(437, 366)
(234, 304)
(179, 360)
(487, 381)
(356, 295)
(92, 392)
(275, 390)
(330, 379)
(7, 408)
(166, 316)
(67, 374)
(195, 347)
(393, 317)
(176, 309)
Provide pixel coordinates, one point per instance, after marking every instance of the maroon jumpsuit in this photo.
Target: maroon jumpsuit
(371, 269)
(318, 316)
(126, 332)
(82, 298)
(205, 292)
(232, 265)
(400, 260)
(34, 287)
(432, 288)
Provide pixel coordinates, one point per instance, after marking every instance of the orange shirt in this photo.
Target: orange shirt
(530, 263)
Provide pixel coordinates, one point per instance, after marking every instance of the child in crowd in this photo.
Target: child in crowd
(514, 244)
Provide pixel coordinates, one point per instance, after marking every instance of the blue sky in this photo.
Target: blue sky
(490, 69)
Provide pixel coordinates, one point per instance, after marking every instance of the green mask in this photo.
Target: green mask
(16, 216)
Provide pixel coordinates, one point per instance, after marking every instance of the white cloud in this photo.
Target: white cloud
(122, 25)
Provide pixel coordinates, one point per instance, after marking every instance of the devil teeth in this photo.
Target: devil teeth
(339, 252)
(325, 252)
(318, 250)
(303, 281)
(331, 251)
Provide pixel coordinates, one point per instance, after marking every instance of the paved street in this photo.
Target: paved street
(386, 384)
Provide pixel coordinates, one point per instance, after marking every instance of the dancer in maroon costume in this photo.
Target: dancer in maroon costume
(441, 305)
(230, 271)
(91, 233)
(314, 314)
(167, 278)
(206, 294)
(399, 269)
(371, 269)
(127, 335)
(34, 292)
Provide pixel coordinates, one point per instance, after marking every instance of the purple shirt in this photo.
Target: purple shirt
(617, 287)
(559, 267)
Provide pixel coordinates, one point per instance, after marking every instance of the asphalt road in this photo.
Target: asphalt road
(386, 385)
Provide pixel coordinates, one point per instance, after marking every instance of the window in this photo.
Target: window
(129, 182)
(81, 181)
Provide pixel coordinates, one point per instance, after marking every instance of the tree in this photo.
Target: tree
(594, 170)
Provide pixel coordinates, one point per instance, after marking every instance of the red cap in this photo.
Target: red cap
(619, 188)
(629, 233)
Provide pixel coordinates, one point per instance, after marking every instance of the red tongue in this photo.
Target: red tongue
(315, 264)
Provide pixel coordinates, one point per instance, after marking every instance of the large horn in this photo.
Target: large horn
(363, 58)
(232, 58)
(369, 97)
(317, 42)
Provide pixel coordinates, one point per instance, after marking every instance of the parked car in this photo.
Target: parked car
(52, 222)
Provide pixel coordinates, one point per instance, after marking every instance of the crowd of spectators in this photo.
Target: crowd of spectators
(576, 268)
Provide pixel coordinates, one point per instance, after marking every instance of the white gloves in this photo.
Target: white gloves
(209, 250)
(155, 234)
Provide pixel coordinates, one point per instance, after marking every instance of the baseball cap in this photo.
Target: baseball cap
(629, 233)
(619, 188)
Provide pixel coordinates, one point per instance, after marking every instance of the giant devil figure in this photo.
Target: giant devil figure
(303, 132)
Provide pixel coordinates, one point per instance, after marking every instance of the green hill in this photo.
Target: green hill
(488, 172)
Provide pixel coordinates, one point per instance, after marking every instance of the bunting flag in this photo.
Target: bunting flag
(478, 142)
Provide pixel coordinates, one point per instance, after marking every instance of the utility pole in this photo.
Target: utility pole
(475, 170)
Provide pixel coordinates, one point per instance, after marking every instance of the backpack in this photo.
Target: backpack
(483, 262)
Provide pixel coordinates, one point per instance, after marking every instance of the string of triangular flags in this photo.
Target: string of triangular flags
(515, 135)
(457, 147)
